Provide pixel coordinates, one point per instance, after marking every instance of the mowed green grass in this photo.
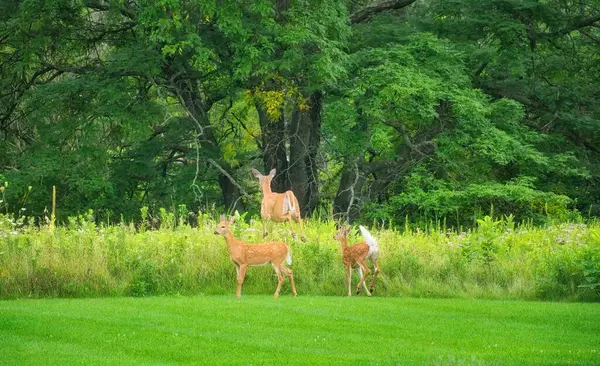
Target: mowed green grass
(258, 330)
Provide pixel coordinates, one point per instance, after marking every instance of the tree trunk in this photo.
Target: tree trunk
(198, 108)
(231, 194)
(345, 204)
(274, 150)
(304, 141)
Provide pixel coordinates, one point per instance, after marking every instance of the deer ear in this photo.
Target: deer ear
(256, 173)
(223, 218)
(232, 219)
(272, 173)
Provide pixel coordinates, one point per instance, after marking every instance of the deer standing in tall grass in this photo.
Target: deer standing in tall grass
(278, 207)
(243, 255)
(355, 256)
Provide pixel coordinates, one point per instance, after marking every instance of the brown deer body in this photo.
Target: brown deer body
(355, 256)
(244, 255)
(278, 207)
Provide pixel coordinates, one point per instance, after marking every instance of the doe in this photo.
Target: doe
(278, 207)
(355, 257)
(243, 255)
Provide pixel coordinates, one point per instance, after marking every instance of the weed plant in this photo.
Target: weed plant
(498, 259)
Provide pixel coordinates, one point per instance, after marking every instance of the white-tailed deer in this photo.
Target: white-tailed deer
(243, 255)
(355, 257)
(278, 207)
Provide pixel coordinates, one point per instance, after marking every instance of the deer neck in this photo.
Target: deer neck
(266, 188)
(232, 241)
(343, 243)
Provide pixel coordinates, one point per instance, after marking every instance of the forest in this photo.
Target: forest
(389, 110)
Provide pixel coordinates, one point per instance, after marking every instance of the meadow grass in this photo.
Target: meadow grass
(260, 330)
(496, 260)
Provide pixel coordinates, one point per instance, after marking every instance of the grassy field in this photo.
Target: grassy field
(496, 260)
(305, 330)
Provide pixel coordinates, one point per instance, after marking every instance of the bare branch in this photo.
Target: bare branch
(352, 194)
(233, 181)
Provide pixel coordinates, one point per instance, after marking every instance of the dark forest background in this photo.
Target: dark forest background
(372, 110)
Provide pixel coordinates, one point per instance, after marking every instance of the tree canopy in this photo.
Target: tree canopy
(388, 109)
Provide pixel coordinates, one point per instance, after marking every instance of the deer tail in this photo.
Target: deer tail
(371, 242)
(288, 258)
(291, 202)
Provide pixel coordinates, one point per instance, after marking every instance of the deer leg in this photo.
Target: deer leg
(279, 278)
(349, 271)
(299, 220)
(240, 280)
(375, 273)
(265, 222)
(290, 274)
(360, 274)
(360, 279)
(362, 267)
(288, 217)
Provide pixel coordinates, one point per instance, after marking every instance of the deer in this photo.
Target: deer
(355, 256)
(244, 255)
(278, 207)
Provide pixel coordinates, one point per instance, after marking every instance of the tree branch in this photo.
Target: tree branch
(591, 37)
(583, 23)
(364, 14)
(103, 5)
(91, 69)
(398, 126)
(233, 181)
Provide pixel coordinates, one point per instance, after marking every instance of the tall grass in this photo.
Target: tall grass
(497, 259)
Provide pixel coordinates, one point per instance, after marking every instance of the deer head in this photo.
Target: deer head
(342, 233)
(223, 226)
(277, 206)
(264, 180)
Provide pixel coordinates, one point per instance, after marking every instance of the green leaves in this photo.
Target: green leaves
(486, 102)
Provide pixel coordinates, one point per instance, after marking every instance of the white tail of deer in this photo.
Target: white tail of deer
(278, 207)
(355, 256)
(243, 255)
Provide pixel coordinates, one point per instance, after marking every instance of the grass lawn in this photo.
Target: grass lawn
(305, 330)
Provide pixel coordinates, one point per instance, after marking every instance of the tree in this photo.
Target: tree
(386, 109)
(183, 56)
(424, 139)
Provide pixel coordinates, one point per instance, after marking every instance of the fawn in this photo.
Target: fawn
(355, 257)
(243, 255)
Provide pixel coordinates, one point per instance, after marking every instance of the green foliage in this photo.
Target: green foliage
(445, 107)
(531, 52)
(497, 259)
(428, 198)
(589, 262)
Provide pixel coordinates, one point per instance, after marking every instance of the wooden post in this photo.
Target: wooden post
(53, 216)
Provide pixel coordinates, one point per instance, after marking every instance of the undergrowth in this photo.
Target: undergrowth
(498, 259)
